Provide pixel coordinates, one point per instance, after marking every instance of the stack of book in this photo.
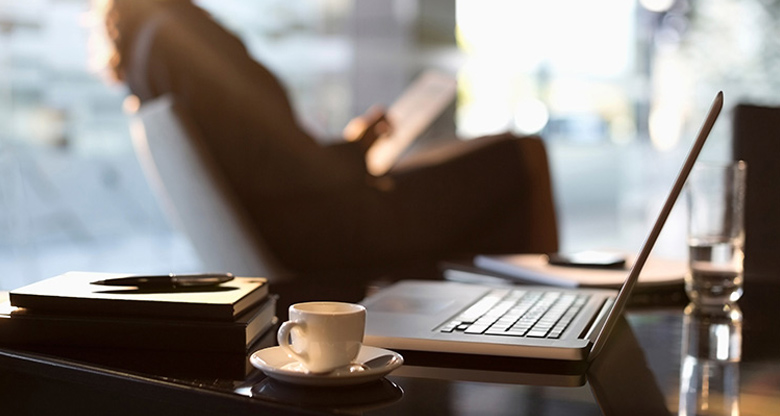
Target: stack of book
(70, 313)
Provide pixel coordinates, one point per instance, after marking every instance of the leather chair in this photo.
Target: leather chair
(194, 195)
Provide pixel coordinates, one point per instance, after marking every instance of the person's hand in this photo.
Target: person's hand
(367, 128)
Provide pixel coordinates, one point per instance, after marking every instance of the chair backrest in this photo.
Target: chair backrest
(194, 194)
(543, 231)
(756, 140)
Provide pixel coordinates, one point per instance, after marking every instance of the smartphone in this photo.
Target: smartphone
(590, 258)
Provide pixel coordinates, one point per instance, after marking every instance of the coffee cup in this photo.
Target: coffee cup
(323, 336)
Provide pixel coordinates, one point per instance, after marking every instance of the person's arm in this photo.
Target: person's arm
(358, 136)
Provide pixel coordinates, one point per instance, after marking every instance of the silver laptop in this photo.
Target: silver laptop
(518, 321)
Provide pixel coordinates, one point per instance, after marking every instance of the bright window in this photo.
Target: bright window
(616, 88)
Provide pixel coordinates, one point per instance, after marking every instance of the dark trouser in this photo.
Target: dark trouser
(490, 195)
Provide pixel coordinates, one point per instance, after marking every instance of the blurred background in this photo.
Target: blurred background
(616, 88)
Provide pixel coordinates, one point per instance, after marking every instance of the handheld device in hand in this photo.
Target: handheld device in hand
(410, 115)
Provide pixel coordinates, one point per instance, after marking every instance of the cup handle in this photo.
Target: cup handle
(283, 338)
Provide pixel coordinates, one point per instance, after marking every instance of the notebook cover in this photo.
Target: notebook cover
(534, 268)
(72, 293)
(19, 326)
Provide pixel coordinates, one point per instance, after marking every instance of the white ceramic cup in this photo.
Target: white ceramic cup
(323, 336)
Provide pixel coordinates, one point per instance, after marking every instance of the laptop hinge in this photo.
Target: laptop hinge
(599, 319)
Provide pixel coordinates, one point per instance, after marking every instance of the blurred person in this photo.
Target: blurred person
(316, 206)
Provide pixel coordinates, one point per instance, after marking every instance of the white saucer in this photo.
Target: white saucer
(276, 364)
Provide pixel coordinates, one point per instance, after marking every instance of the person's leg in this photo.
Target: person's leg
(492, 197)
(491, 194)
(536, 213)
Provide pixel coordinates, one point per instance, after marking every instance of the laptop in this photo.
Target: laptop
(535, 322)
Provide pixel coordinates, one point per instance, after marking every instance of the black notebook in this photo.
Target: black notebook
(72, 293)
(20, 326)
(205, 366)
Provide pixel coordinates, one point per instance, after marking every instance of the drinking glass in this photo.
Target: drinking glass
(716, 232)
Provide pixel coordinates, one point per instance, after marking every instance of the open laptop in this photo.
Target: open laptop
(519, 321)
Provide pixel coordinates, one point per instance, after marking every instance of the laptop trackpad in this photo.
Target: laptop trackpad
(411, 305)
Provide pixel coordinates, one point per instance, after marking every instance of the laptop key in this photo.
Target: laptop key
(476, 329)
(555, 334)
(517, 332)
(537, 333)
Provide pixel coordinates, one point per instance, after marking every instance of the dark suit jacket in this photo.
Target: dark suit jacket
(181, 50)
(316, 206)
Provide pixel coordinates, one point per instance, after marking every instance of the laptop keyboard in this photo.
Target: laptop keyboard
(518, 312)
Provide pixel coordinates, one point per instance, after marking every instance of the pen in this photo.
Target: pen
(168, 280)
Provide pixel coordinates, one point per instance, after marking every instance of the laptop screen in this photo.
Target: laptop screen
(633, 276)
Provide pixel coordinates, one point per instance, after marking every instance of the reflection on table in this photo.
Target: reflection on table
(711, 353)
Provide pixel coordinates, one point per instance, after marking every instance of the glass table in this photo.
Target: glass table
(660, 360)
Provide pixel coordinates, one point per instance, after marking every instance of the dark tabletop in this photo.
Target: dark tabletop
(654, 364)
